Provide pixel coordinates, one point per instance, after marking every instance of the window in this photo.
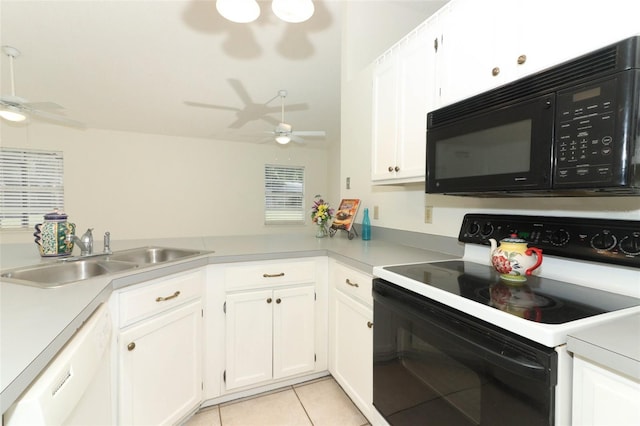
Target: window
(31, 184)
(283, 194)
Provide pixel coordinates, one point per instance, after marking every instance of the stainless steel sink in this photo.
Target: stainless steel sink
(153, 255)
(59, 274)
(65, 271)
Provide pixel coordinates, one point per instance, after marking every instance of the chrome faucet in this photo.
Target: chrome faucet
(85, 242)
(107, 243)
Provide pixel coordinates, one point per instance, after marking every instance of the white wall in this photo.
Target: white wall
(402, 207)
(151, 186)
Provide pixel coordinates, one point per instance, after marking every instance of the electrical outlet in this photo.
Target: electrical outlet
(376, 212)
(428, 214)
(348, 183)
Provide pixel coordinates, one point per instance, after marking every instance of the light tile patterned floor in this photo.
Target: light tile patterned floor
(317, 403)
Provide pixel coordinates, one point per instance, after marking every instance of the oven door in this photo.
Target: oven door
(434, 365)
(504, 149)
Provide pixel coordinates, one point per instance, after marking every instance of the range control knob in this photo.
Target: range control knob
(631, 244)
(603, 241)
(486, 230)
(474, 228)
(559, 238)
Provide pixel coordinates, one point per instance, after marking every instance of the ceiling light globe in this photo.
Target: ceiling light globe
(240, 11)
(293, 11)
(12, 114)
(283, 139)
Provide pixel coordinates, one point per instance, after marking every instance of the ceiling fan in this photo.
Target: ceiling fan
(16, 109)
(284, 133)
(251, 111)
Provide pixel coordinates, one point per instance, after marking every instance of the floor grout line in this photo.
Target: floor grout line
(303, 407)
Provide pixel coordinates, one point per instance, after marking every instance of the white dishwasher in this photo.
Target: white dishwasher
(75, 388)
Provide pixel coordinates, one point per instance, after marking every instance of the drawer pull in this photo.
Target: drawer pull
(369, 324)
(269, 300)
(131, 346)
(351, 284)
(278, 300)
(164, 299)
(281, 274)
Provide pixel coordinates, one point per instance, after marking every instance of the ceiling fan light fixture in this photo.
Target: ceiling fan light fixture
(11, 113)
(283, 139)
(293, 11)
(240, 11)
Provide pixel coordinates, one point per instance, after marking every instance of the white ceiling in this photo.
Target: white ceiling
(141, 65)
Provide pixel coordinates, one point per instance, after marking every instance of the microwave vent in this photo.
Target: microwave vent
(594, 65)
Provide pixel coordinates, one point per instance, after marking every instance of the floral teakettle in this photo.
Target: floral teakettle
(513, 259)
(51, 235)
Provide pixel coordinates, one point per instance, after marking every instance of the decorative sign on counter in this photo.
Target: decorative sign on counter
(345, 215)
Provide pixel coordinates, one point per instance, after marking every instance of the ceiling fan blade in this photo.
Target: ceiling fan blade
(316, 133)
(297, 139)
(55, 118)
(42, 105)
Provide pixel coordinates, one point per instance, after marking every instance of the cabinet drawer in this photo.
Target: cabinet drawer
(158, 296)
(354, 283)
(268, 273)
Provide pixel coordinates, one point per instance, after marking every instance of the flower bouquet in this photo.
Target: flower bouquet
(321, 213)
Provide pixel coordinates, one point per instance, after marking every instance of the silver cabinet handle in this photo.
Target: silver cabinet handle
(164, 299)
(281, 274)
(131, 346)
(522, 59)
(495, 71)
(351, 284)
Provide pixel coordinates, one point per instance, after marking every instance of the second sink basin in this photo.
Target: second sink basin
(152, 255)
(56, 275)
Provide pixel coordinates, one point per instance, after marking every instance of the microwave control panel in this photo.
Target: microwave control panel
(598, 240)
(585, 142)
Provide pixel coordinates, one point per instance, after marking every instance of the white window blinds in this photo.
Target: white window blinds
(284, 194)
(31, 184)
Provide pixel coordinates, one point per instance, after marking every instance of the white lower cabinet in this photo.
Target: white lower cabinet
(602, 397)
(275, 321)
(159, 349)
(270, 335)
(351, 334)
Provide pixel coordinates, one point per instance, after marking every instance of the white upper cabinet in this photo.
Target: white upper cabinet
(403, 93)
(489, 43)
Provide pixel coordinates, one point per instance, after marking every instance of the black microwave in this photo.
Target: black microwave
(571, 130)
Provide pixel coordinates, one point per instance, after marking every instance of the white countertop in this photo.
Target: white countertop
(615, 345)
(35, 323)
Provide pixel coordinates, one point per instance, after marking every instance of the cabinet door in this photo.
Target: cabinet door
(601, 397)
(161, 367)
(353, 350)
(248, 338)
(385, 117)
(467, 39)
(416, 87)
(293, 331)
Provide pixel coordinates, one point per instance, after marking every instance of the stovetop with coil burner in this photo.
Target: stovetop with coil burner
(537, 299)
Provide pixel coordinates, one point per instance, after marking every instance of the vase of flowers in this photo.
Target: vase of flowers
(321, 214)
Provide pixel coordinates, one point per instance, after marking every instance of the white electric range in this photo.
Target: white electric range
(589, 275)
